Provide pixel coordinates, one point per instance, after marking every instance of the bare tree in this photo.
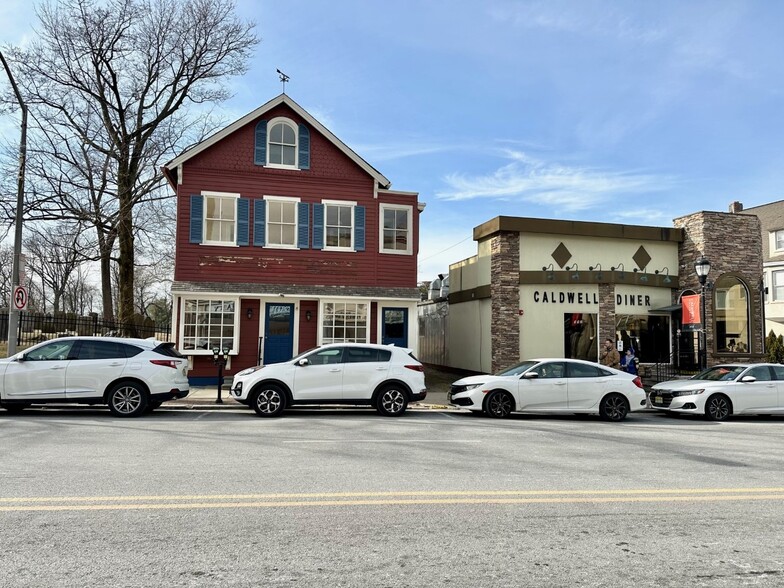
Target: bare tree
(80, 294)
(109, 86)
(55, 253)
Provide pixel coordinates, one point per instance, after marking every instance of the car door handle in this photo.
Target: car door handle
(335, 370)
(560, 383)
(115, 363)
(381, 369)
(58, 367)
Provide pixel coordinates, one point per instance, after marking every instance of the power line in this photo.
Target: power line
(447, 249)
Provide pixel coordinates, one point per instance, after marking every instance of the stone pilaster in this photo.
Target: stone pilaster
(606, 328)
(504, 299)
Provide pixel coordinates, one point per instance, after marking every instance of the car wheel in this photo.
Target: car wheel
(269, 401)
(614, 407)
(718, 407)
(391, 401)
(499, 404)
(127, 399)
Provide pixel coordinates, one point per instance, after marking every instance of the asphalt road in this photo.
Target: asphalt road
(349, 498)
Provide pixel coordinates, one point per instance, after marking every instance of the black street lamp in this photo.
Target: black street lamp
(702, 266)
(219, 357)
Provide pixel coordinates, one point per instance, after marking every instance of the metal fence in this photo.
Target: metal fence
(433, 332)
(36, 327)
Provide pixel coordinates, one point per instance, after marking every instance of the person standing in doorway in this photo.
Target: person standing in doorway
(610, 356)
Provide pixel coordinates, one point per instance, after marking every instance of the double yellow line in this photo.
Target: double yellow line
(454, 497)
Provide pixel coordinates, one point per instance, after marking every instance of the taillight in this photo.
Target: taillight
(637, 382)
(416, 368)
(166, 363)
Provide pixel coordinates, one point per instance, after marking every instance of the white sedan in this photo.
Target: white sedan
(724, 390)
(553, 386)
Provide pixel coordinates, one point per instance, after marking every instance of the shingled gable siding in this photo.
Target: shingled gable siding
(228, 166)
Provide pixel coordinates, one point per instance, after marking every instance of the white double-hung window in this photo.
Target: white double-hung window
(208, 324)
(281, 221)
(339, 225)
(282, 143)
(220, 218)
(396, 229)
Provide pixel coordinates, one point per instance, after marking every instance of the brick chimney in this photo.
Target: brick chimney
(736, 207)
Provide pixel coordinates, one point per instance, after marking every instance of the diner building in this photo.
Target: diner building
(559, 288)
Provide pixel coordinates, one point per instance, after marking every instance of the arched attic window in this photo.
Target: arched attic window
(282, 143)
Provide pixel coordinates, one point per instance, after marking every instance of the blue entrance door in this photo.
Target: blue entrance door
(278, 333)
(394, 328)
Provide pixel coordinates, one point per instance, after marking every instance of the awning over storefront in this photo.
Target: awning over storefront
(668, 309)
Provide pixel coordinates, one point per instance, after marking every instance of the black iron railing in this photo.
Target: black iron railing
(37, 327)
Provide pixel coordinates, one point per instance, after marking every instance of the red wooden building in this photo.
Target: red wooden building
(287, 239)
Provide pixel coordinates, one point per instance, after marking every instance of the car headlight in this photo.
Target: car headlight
(248, 371)
(690, 392)
(472, 386)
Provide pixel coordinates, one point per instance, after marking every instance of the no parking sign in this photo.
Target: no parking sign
(20, 298)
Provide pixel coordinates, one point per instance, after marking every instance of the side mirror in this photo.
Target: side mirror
(21, 357)
(530, 375)
(748, 379)
(303, 362)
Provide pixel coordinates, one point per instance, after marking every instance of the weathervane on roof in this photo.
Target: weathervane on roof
(283, 78)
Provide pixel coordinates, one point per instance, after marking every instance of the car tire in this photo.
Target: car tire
(718, 408)
(499, 404)
(392, 401)
(269, 401)
(614, 407)
(127, 399)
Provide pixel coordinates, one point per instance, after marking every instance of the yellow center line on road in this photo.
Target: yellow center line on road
(391, 502)
(448, 497)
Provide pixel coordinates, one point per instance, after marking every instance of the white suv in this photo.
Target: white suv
(130, 375)
(386, 377)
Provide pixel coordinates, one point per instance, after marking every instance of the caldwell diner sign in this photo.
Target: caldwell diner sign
(545, 297)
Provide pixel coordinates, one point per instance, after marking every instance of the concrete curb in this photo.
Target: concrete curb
(230, 405)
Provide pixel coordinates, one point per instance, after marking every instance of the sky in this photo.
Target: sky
(616, 111)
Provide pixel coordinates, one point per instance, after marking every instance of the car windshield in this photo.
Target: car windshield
(518, 369)
(723, 373)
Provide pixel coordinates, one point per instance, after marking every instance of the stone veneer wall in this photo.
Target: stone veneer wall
(733, 244)
(606, 314)
(504, 299)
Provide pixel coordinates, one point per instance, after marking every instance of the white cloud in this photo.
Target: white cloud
(566, 188)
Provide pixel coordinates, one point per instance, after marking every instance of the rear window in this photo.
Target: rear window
(168, 349)
(578, 370)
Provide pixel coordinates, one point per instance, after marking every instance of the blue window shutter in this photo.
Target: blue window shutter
(243, 213)
(318, 226)
(260, 155)
(359, 228)
(302, 221)
(259, 222)
(304, 147)
(197, 218)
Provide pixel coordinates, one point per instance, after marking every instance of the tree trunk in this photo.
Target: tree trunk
(125, 264)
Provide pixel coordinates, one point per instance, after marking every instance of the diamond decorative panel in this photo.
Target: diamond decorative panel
(641, 258)
(561, 255)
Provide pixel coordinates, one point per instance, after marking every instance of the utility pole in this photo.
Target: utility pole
(13, 312)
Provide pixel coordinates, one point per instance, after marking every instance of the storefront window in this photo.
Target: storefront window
(648, 335)
(207, 324)
(732, 315)
(345, 322)
(580, 336)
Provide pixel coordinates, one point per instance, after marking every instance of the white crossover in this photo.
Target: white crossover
(131, 376)
(382, 376)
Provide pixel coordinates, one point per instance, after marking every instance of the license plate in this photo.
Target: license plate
(659, 400)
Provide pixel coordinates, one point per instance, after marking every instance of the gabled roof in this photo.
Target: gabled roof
(383, 182)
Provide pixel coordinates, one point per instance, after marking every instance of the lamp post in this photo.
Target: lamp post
(702, 266)
(219, 357)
